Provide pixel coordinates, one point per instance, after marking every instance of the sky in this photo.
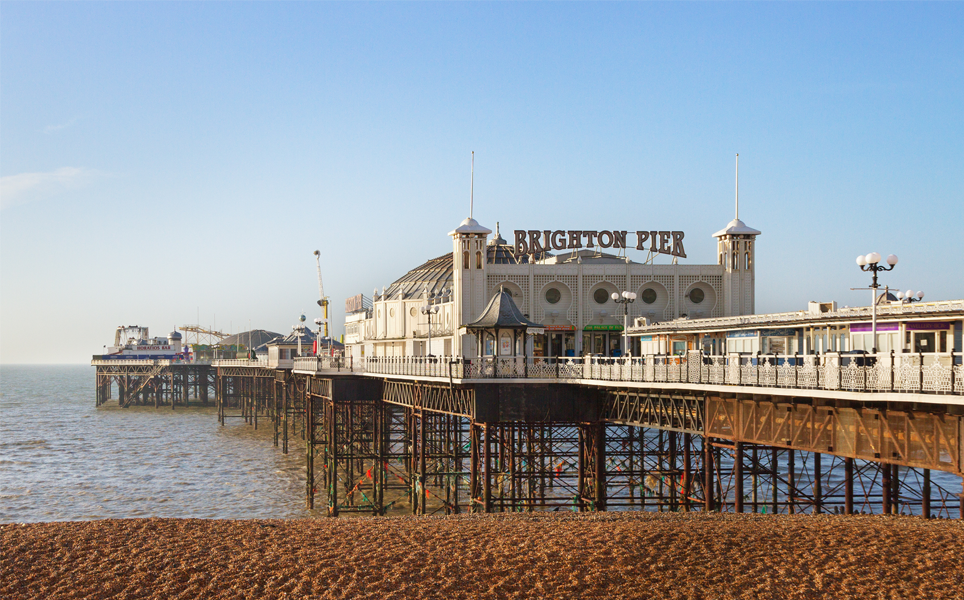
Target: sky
(165, 164)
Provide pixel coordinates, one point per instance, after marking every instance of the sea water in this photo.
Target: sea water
(64, 459)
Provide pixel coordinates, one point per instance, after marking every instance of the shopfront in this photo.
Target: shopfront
(602, 340)
(558, 340)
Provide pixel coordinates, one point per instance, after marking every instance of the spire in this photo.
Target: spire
(472, 186)
(738, 186)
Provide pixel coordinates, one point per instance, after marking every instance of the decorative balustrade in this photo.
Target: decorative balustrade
(323, 363)
(883, 372)
(240, 362)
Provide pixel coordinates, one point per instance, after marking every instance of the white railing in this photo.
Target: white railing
(241, 362)
(105, 362)
(928, 309)
(323, 363)
(883, 372)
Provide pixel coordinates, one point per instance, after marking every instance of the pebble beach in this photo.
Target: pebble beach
(535, 555)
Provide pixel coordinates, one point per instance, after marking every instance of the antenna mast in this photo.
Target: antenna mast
(738, 186)
(472, 187)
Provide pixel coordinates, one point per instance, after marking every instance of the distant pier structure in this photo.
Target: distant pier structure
(140, 370)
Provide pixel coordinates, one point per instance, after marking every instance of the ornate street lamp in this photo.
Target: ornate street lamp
(871, 262)
(909, 296)
(431, 307)
(626, 298)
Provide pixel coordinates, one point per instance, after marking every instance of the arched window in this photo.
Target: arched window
(465, 260)
(747, 261)
(478, 260)
(736, 261)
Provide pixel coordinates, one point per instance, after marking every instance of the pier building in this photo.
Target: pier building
(564, 280)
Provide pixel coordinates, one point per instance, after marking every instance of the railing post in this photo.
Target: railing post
(893, 368)
(796, 371)
(920, 373)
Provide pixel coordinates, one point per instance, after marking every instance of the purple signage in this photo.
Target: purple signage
(912, 326)
(928, 326)
(858, 327)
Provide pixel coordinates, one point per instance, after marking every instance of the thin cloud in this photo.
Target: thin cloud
(52, 128)
(27, 187)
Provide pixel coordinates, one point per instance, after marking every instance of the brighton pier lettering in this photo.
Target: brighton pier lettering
(534, 241)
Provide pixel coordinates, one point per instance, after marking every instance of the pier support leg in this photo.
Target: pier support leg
(687, 470)
(487, 468)
(707, 475)
(738, 477)
(925, 504)
(885, 488)
(817, 484)
(848, 486)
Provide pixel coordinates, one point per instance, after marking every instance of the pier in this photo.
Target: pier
(445, 435)
(443, 402)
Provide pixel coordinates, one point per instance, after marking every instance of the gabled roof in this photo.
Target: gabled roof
(502, 313)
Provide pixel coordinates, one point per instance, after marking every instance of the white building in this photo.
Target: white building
(561, 279)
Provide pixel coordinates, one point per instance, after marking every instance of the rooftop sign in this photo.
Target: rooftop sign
(535, 241)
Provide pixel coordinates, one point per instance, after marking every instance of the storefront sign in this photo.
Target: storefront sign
(558, 328)
(927, 326)
(353, 304)
(741, 334)
(535, 241)
(602, 328)
(778, 332)
(858, 327)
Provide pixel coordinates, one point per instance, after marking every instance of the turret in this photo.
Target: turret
(468, 274)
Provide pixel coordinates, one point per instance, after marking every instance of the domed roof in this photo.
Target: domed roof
(736, 227)
(435, 274)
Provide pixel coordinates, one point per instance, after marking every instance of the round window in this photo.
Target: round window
(413, 312)
(553, 295)
(696, 296)
(601, 296)
(391, 312)
(648, 296)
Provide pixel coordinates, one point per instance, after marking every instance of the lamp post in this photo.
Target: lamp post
(320, 323)
(626, 298)
(871, 262)
(298, 331)
(909, 296)
(431, 307)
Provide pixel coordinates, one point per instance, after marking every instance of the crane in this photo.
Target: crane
(322, 300)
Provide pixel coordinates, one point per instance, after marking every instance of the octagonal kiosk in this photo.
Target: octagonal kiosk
(501, 337)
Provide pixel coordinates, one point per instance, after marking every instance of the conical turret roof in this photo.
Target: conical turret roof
(502, 313)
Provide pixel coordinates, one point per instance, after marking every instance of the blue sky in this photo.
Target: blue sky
(162, 162)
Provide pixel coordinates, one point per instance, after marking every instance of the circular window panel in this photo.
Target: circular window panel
(553, 295)
(391, 312)
(413, 311)
(696, 296)
(648, 296)
(601, 296)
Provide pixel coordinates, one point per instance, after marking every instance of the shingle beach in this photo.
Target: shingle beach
(610, 555)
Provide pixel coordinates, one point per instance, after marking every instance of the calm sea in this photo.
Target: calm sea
(62, 459)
